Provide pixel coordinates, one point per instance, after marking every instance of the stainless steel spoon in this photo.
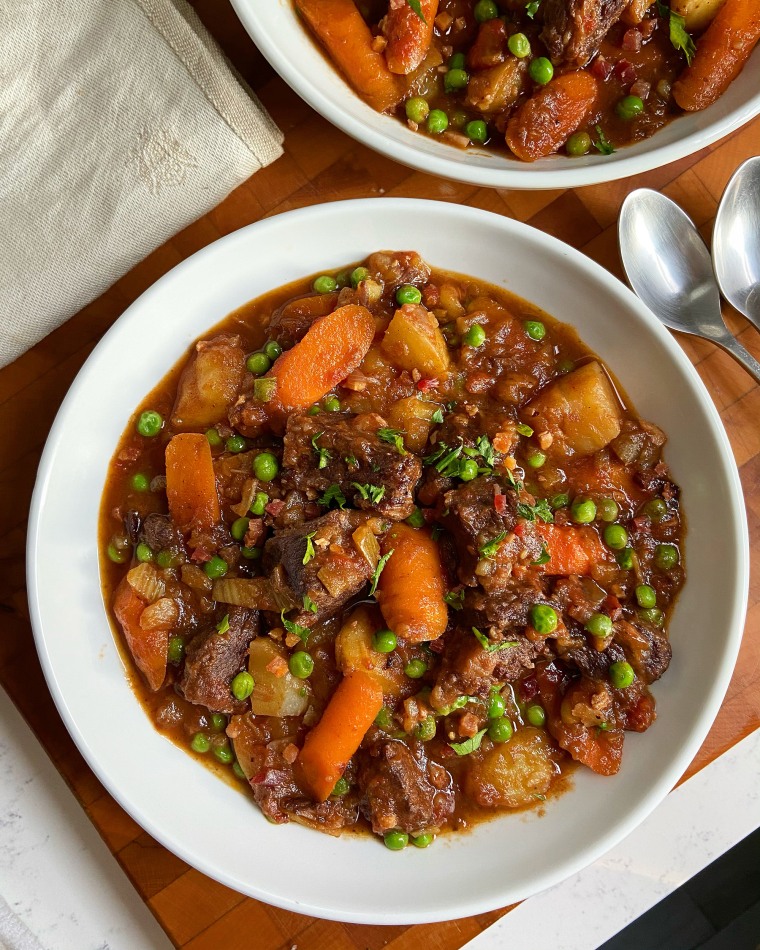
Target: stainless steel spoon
(736, 241)
(669, 267)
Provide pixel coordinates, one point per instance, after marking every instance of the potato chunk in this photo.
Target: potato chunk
(276, 691)
(698, 14)
(513, 773)
(210, 382)
(413, 340)
(414, 417)
(581, 411)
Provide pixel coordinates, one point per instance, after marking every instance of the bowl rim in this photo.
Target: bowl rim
(594, 170)
(303, 217)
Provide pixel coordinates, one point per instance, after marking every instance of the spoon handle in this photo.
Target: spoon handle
(732, 346)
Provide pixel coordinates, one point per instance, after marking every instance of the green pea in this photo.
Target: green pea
(140, 482)
(408, 294)
(543, 618)
(242, 685)
(216, 567)
(455, 79)
(599, 625)
(384, 641)
(301, 665)
(265, 467)
(235, 444)
(417, 109)
(535, 329)
(477, 131)
(646, 596)
(165, 559)
(395, 840)
(258, 363)
(583, 511)
(237, 768)
(332, 404)
(519, 45)
(314, 410)
(149, 424)
(239, 528)
(540, 70)
(325, 284)
(218, 722)
(629, 107)
(426, 729)
(223, 753)
(422, 841)
(200, 742)
(414, 669)
(358, 274)
(384, 719)
(560, 501)
(272, 349)
(437, 121)
(607, 509)
(416, 519)
(468, 470)
(251, 554)
(625, 559)
(260, 502)
(118, 550)
(143, 553)
(176, 650)
(615, 537)
(536, 460)
(496, 706)
(578, 144)
(475, 336)
(485, 10)
(653, 615)
(535, 715)
(621, 674)
(656, 509)
(500, 730)
(341, 788)
(666, 556)
(213, 438)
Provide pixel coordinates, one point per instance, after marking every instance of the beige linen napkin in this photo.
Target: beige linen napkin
(120, 123)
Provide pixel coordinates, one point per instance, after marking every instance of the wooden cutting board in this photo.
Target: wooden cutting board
(322, 164)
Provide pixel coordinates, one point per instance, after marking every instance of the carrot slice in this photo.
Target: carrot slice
(333, 347)
(411, 587)
(571, 550)
(190, 482)
(149, 648)
(409, 34)
(551, 115)
(722, 51)
(338, 734)
(341, 29)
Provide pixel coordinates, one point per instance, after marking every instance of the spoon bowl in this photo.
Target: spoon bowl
(669, 268)
(736, 241)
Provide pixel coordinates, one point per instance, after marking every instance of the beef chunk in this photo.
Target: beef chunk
(646, 648)
(161, 534)
(472, 518)
(497, 611)
(399, 267)
(351, 454)
(335, 572)
(594, 664)
(639, 443)
(469, 670)
(212, 659)
(403, 790)
(573, 29)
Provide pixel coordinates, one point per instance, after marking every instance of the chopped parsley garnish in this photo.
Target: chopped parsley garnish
(352, 461)
(378, 571)
(437, 416)
(486, 450)
(524, 430)
(333, 494)
(373, 493)
(603, 144)
(301, 632)
(310, 552)
(544, 556)
(489, 550)
(324, 455)
(449, 462)
(469, 745)
(458, 703)
(679, 37)
(224, 624)
(541, 509)
(532, 8)
(489, 645)
(308, 604)
(415, 5)
(455, 600)
(392, 437)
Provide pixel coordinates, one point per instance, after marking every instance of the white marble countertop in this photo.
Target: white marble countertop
(61, 888)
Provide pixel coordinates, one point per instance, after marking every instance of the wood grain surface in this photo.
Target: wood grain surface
(322, 164)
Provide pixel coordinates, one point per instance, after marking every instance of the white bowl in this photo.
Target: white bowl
(283, 39)
(212, 825)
